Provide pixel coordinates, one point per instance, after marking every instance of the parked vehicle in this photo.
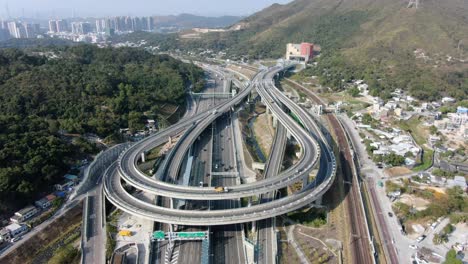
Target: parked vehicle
(421, 238)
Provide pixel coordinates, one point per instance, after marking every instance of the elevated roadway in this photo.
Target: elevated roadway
(309, 139)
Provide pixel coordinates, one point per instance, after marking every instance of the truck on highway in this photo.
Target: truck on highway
(125, 233)
(221, 189)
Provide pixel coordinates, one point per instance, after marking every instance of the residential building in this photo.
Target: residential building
(137, 24)
(12, 231)
(4, 34)
(81, 28)
(99, 26)
(15, 30)
(43, 203)
(24, 214)
(462, 110)
(64, 186)
(32, 30)
(53, 26)
(62, 26)
(301, 52)
(149, 25)
(448, 100)
(458, 181)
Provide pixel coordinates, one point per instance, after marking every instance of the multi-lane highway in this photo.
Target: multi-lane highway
(266, 231)
(310, 139)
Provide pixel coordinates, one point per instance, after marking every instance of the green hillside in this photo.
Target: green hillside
(423, 50)
(374, 40)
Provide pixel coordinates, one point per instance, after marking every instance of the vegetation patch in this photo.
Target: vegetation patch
(311, 217)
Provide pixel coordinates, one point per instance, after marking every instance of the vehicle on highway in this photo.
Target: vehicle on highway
(413, 247)
(390, 214)
(200, 184)
(221, 189)
(125, 233)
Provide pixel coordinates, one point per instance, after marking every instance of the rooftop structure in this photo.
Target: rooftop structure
(301, 52)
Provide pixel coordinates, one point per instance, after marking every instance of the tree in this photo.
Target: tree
(448, 229)
(451, 257)
(394, 159)
(433, 130)
(353, 91)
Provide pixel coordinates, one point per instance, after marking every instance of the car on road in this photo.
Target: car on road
(421, 238)
(413, 247)
(15, 239)
(390, 214)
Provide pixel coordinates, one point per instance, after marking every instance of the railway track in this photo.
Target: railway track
(359, 242)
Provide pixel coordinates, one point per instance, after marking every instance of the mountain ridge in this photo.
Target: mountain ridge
(405, 45)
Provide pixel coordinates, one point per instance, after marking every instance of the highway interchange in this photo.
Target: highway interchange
(218, 158)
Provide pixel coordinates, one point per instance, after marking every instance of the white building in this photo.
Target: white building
(448, 100)
(458, 181)
(12, 231)
(24, 214)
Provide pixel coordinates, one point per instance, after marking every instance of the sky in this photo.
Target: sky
(68, 8)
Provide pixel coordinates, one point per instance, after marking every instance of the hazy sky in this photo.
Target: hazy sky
(48, 8)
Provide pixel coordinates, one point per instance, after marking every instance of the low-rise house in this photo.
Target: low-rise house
(43, 203)
(64, 186)
(403, 148)
(51, 197)
(458, 181)
(24, 214)
(151, 124)
(448, 100)
(438, 180)
(12, 231)
(433, 140)
(71, 177)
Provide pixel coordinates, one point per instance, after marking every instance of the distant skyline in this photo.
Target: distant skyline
(97, 8)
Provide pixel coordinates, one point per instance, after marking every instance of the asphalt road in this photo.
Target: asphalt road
(190, 251)
(227, 241)
(267, 242)
(119, 197)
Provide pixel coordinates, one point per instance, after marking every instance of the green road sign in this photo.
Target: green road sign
(191, 234)
(159, 235)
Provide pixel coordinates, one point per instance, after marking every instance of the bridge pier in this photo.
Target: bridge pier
(275, 121)
(318, 201)
(305, 181)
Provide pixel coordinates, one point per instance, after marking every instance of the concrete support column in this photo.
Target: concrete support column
(305, 181)
(275, 122)
(318, 201)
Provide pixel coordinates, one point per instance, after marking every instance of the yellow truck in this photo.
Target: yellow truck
(125, 233)
(221, 189)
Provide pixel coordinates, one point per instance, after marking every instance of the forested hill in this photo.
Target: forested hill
(81, 89)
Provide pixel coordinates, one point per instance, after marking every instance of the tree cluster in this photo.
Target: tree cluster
(79, 89)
